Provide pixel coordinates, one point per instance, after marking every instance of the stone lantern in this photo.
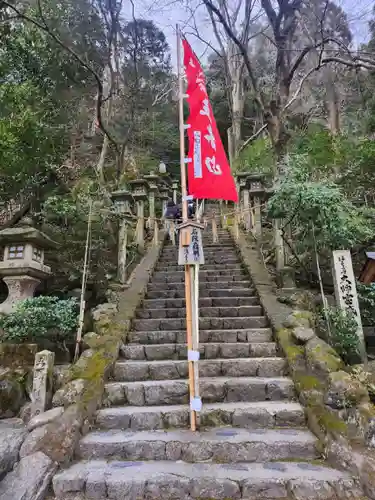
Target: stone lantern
(255, 183)
(152, 180)
(139, 193)
(121, 200)
(23, 266)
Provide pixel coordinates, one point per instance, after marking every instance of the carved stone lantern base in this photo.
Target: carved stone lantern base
(19, 288)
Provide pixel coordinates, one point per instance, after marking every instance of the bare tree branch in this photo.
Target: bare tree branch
(253, 137)
(241, 47)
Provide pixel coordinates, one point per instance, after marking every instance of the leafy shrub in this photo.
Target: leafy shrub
(341, 333)
(40, 318)
(366, 297)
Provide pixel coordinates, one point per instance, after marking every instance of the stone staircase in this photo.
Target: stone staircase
(253, 442)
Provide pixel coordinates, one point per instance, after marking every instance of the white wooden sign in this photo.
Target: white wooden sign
(345, 287)
(193, 253)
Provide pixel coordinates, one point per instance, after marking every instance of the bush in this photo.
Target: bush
(341, 334)
(40, 318)
(366, 298)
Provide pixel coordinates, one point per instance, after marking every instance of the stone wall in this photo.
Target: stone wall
(52, 436)
(337, 403)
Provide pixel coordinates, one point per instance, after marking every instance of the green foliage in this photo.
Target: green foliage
(65, 218)
(340, 333)
(40, 318)
(257, 157)
(307, 204)
(366, 298)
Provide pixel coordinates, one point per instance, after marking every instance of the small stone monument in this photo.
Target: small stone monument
(23, 265)
(41, 395)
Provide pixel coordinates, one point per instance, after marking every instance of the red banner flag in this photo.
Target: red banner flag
(209, 173)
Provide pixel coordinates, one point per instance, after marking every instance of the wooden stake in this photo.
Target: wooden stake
(189, 323)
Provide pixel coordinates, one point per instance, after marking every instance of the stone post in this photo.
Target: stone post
(164, 197)
(139, 192)
(152, 180)
(346, 291)
(257, 192)
(174, 191)
(41, 395)
(244, 199)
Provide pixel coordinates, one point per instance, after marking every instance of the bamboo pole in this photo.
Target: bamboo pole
(188, 288)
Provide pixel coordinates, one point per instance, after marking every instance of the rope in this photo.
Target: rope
(84, 283)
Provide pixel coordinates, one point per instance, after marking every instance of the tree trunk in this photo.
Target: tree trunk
(332, 101)
(235, 67)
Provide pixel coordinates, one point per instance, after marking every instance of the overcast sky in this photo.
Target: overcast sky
(166, 13)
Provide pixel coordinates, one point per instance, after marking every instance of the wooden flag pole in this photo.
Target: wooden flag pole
(184, 235)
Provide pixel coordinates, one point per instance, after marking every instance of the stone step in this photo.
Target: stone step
(211, 350)
(212, 390)
(206, 267)
(210, 256)
(168, 480)
(132, 371)
(204, 312)
(213, 261)
(222, 323)
(208, 247)
(257, 335)
(179, 293)
(260, 414)
(206, 285)
(179, 277)
(203, 302)
(220, 445)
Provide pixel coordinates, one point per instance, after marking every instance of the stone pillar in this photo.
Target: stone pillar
(174, 191)
(256, 187)
(122, 251)
(152, 180)
(346, 291)
(257, 218)
(41, 395)
(141, 224)
(246, 208)
(243, 196)
(139, 191)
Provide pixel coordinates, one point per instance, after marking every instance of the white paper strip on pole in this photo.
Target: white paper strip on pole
(195, 318)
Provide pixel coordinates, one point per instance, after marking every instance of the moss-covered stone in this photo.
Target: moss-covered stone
(299, 318)
(345, 391)
(321, 358)
(307, 382)
(12, 392)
